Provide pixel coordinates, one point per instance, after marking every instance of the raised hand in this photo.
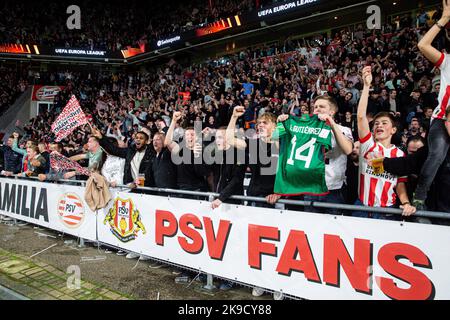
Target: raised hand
(282, 118)
(238, 111)
(446, 8)
(177, 116)
(96, 133)
(367, 76)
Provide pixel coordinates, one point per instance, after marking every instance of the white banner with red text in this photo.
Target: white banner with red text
(54, 206)
(307, 255)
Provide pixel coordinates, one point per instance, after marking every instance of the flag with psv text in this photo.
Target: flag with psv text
(60, 163)
(70, 118)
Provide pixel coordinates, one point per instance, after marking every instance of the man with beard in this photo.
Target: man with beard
(137, 157)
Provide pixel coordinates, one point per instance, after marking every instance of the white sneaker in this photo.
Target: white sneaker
(278, 296)
(257, 292)
(21, 224)
(5, 218)
(143, 258)
(121, 253)
(132, 255)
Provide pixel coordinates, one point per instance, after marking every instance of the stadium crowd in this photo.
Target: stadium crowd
(122, 104)
(121, 24)
(12, 84)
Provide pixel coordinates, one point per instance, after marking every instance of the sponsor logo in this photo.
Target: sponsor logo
(24, 200)
(124, 220)
(71, 210)
(47, 93)
(168, 41)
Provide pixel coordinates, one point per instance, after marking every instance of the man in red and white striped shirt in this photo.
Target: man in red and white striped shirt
(438, 139)
(378, 189)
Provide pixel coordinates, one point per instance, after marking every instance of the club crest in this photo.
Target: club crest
(124, 220)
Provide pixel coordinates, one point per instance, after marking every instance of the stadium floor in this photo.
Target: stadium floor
(110, 277)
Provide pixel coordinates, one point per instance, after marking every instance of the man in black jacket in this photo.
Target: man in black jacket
(228, 171)
(412, 164)
(192, 173)
(162, 173)
(12, 160)
(137, 157)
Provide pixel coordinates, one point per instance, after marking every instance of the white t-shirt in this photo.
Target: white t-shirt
(136, 163)
(335, 169)
(444, 94)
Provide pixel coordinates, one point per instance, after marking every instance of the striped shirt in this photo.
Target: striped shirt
(444, 94)
(377, 190)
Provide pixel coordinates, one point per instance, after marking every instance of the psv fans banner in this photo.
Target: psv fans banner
(307, 255)
(71, 117)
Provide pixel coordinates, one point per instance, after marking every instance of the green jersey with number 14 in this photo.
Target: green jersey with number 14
(301, 166)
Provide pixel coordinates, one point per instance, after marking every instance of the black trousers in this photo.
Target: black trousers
(438, 146)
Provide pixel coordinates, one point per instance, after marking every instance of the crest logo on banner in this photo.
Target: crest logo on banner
(71, 210)
(124, 220)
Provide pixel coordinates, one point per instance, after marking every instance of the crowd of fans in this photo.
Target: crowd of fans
(113, 25)
(12, 84)
(142, 119)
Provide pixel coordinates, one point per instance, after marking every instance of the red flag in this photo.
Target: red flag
(70, 118)
(58, 162)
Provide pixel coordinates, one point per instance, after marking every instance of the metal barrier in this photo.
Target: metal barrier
(315, 204)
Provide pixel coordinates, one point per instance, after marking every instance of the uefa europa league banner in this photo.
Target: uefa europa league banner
(307, 255)
(54, 206)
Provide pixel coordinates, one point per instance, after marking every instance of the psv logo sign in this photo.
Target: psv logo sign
(124, 220)
(47, 93)
(71, 210)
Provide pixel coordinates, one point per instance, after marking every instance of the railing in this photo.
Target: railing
(314, 204)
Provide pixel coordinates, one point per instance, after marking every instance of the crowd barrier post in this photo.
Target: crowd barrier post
(209, 277)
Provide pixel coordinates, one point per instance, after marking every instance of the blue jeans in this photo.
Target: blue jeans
(335, 196)
(374, 215)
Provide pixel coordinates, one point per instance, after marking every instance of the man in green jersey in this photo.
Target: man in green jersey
(301, 166)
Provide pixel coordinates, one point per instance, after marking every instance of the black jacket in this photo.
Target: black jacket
(412, 165)
(162, 173)
(263, 172)
(46, 156)
(128, 154)
(404, 166)
(229, 177)
(12, 160)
